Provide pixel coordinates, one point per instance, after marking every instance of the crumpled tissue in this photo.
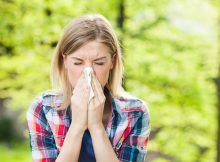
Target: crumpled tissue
(88, 74)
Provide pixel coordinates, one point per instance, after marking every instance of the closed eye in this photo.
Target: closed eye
(77, 63)
(99, 63)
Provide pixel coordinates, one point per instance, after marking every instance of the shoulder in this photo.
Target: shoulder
(53, 99)
(130, 104)
(45, 101)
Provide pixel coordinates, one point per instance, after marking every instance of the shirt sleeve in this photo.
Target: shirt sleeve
(134, 147)
(42, 142)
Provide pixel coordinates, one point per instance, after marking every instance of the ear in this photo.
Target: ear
(113, 61)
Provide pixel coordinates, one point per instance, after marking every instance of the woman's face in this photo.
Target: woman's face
(93, 54)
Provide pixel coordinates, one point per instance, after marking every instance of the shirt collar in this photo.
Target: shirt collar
(115, 105)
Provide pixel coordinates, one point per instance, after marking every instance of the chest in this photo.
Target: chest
(59, 122)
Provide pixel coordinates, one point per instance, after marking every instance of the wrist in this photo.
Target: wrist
(96, 129)
(76, 129)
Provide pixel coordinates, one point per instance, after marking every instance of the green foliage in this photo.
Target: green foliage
(6, 130)
(173, 68)
(170, 56)
(16, 153)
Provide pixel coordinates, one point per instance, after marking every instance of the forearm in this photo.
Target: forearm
(102, 146)
(71, 146)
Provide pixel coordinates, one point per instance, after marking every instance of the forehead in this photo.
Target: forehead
(92, 49)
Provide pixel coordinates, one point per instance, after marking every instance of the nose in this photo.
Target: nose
(89, 65)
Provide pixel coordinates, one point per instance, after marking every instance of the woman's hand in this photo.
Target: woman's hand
(79, 104)
(96, 106)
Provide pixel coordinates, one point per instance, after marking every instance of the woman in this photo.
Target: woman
(69, 125)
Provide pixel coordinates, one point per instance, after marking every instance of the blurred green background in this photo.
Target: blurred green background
(171, 55)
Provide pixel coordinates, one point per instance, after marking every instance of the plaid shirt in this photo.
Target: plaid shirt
(128, 130)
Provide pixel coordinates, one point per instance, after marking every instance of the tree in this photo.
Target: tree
(217, 81)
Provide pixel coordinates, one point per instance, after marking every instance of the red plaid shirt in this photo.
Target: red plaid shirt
(128, 130)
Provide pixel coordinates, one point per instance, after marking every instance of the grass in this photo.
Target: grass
(19, 152)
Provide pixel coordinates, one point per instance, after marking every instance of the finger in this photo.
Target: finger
(98, 91)
(79, 81)
(93, 86)
(81, 87)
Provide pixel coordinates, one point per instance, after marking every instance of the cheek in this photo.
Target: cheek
(102, 75)
(73, 75)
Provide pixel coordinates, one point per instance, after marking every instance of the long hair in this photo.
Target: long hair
(76, 34)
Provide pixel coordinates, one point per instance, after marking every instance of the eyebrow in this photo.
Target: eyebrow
(76, 58)
(100, 58)
(79, 59)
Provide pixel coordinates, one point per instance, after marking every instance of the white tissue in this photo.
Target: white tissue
(88, 74)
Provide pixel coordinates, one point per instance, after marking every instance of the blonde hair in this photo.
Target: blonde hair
(77, 33)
